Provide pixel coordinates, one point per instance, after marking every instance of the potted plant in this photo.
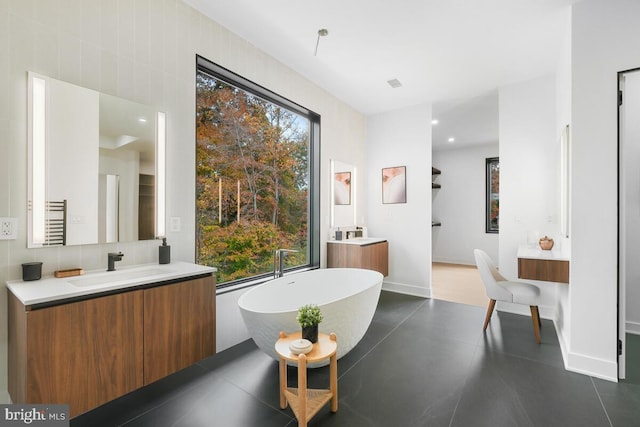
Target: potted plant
(309, 316)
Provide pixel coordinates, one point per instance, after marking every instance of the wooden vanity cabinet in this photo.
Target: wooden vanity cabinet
(86, 353)
(374, 256)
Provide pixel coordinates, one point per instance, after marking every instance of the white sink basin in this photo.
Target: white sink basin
(122, 276)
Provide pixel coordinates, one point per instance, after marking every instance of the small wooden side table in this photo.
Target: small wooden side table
(305, 403)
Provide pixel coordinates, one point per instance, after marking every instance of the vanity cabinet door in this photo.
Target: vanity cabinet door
(84, 353)
(179, 326)
(371, 257)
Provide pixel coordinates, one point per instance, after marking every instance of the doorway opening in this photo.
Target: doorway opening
(628, 225)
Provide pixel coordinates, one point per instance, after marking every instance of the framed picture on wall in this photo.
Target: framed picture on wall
(493, 195)
(394, 184)
(342, 188)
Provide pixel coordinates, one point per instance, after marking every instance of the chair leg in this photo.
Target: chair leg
(535, 318)
(492, 304)
(539, 320)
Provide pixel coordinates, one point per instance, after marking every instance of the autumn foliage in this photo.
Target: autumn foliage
(251, 180)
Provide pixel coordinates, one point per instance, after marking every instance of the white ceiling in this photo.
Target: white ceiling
(440, 50)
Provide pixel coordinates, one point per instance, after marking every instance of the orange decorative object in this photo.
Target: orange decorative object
(546, 243)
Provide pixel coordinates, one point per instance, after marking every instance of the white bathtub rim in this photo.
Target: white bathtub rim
(241, 301)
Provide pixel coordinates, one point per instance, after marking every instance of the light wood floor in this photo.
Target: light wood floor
(458, 283)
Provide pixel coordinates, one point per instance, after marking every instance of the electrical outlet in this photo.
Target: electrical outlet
(8, 229)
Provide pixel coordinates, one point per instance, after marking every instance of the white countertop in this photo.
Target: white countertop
(50, 288)
(360, 241)
(526, 251)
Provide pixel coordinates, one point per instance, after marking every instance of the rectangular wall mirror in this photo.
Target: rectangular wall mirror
(96, 166)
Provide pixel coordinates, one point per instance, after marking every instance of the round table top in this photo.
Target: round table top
(323, 349)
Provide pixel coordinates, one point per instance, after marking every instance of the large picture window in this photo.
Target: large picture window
(257, 167)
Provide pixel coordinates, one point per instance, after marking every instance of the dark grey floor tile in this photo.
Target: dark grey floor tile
(254, 372)
(447, 320)
(505, 390)
(407, 380)
(213, 402)
(622, 399)
(120, 410)
(513, 334)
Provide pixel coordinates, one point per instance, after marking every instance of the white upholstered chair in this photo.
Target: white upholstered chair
(501, 289)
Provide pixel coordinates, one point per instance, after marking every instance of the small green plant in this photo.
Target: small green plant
(309, 315)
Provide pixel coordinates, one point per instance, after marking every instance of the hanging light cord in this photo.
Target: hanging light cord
(321, 33)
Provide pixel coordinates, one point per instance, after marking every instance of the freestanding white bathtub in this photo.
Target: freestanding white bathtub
(348, 298)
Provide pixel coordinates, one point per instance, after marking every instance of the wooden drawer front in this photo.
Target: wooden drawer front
(543, 269)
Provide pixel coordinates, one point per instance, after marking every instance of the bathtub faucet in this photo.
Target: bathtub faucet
(278, 261)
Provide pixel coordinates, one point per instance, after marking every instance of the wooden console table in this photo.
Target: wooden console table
(305, 403)
(538, 264)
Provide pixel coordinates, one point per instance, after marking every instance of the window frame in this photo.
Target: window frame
(313, 226)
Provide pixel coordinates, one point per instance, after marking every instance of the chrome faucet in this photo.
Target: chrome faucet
(278, 261)
(112, 257)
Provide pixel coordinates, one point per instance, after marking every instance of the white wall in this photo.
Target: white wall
(563, 118)
(529, 175)
(143, 51)
(460, 205)
(605, 40)
(402, 138)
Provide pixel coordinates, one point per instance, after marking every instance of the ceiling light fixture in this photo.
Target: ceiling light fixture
(394, 83)
(451, 139)
(321, 33)
(434, 122)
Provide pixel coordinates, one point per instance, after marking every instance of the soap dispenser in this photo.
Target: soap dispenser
(164, 252)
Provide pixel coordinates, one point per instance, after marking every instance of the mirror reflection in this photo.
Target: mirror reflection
(343, 197)
(92, 166)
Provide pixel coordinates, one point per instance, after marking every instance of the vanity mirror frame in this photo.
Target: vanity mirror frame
(41, 109)
(342, 214)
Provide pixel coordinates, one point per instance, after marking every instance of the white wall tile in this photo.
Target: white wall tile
(109, 26)
(108, 72)
(23, 8)
(126, 78)
(141, 31)
(47, 51)
(126, 30)
(90, 66)
(90, 21)
(70, 22)
(48, 13)
(70, 58)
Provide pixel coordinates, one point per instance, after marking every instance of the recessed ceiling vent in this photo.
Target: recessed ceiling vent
(394, 83)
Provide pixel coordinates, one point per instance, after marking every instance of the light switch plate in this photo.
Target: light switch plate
(175, 225)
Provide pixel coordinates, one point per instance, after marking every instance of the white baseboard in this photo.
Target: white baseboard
(592, 366)
(574, 362)
(632, 328)
(403, 288)
(454, 261)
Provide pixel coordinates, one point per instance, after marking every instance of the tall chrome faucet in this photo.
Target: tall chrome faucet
(278, 261)
(112, 257)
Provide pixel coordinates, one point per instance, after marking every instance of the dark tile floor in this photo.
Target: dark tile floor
(421, 363)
